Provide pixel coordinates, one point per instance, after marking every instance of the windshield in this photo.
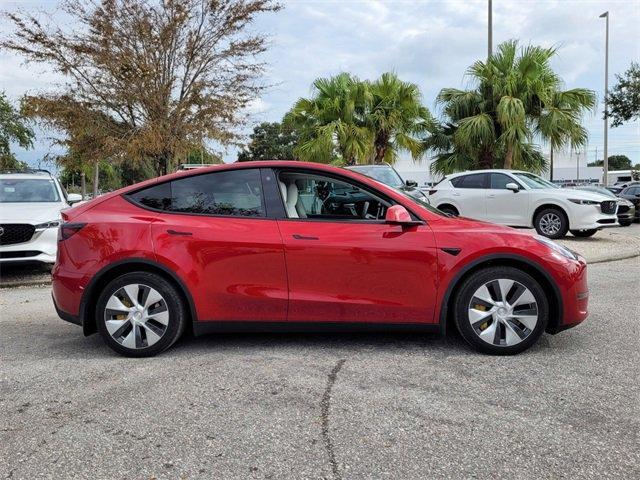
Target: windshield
(388, 176)
(534, 181)
(19, 190)
(421, 203)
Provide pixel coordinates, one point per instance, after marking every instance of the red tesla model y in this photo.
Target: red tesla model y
(300, 246)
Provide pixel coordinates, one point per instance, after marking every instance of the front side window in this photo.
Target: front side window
(235, 193)
(499, 181)
(316, 197)
(476, 180)
(27, 190)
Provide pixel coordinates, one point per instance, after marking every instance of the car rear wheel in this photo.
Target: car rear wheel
(140, 314)
(501, 310)
(583, 233)
(551, 223)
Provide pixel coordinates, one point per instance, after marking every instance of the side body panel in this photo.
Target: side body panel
(360, 272)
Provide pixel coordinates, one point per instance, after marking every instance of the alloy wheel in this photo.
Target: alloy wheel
(136, 316)
(550, 223)
(503, 312)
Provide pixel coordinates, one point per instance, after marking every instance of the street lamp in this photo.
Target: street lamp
(490, 30)
(606, 92)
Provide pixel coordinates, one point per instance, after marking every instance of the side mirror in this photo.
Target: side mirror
(73, 198)
(398, 215)
(411, 183)
(512, 186)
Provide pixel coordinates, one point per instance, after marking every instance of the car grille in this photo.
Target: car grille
(15, 233)
(608, 206)
(623, 209)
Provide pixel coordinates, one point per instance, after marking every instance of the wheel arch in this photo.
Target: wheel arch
(114, 270)
(546, 205)
(448, 204)
(504, 260)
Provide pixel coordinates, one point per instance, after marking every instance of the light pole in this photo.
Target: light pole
(490, 32)
(605, 15)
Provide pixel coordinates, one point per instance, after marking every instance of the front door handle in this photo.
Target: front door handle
(491, 195)
(175, 232)
(304, 237)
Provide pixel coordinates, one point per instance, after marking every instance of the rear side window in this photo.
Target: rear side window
(476, 180)
(157, 197)
(235, 193)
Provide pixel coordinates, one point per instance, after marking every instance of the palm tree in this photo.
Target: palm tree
(560, 121)
(395, 117)
(329, 123)
(495, 123)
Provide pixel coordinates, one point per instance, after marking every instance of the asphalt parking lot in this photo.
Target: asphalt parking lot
(323, 406)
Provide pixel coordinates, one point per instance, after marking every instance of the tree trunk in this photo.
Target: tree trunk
(486, 160)
(380, 147)
(508, 158)
(83, 184)
(551, 164)
(96, 176)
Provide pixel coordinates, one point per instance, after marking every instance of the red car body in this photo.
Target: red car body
(275, 271)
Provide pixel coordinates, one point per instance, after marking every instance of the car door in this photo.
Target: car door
(469, 193)
(344, 263)
(213, 230)
(505, 206)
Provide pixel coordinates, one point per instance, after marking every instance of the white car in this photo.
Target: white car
(30, 205)
(522, 199)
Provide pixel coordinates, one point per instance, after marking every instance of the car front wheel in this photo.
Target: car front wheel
(551, 223)
(501, 310)
(140, 314)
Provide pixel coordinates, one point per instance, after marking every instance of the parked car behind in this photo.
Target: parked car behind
(30, 206)
(626, 209)
(389, 176)
(299, 246)
(522, 199)
(632, 194)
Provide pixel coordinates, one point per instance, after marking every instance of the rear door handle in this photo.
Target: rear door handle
(491, 196)
(304, 237)
(176, 232)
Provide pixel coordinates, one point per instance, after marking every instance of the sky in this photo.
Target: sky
(430, 43)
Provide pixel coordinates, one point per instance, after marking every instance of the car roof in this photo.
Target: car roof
(29, 176)
(489, 170)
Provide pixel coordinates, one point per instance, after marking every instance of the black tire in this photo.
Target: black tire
(626, 223)
(584, 233)
(177, 314)
(554, 213)
(449, 210)
(464, 297)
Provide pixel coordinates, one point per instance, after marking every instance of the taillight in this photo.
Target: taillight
(68, 230)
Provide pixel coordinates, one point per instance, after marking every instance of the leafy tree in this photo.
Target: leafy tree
(153, 79)
(270, 141)
(516, 97)
(330, 122)
(624, 98)
(395, 117)
(616, 162)
(14, 127)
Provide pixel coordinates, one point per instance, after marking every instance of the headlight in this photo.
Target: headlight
(584, 202)
(51, 224)
(556, 247)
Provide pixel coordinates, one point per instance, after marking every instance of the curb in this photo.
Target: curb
(25, 283)
(614, 258)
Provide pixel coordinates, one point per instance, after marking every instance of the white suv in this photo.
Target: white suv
(30, 205)
(522, 199)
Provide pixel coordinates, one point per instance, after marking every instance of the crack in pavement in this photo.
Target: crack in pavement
(325, 405)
